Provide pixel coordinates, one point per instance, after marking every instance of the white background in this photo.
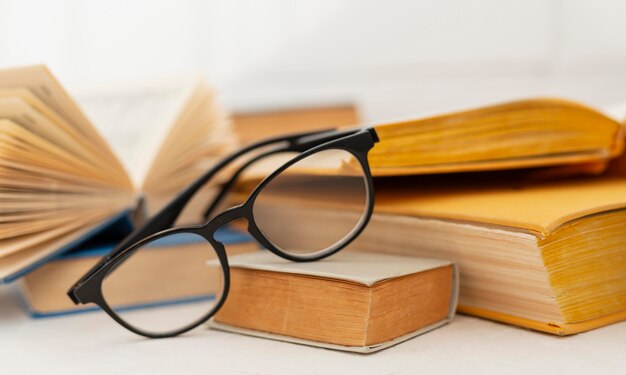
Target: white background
(396, 58)
(399, 58)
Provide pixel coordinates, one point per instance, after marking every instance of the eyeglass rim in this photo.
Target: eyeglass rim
(257, 233)
(225, 271)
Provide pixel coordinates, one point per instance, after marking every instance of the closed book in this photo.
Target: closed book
(43, 290)
(256, 123)
(543, 254)
(351, 301)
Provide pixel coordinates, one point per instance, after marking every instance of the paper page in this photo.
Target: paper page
(50, 242)
(42, 83)
(356, 349)
(135, 120)
(361, 267)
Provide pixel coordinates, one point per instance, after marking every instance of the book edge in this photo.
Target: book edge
(555, 328)
(212, 324)
(227, 236)
(36, 314)
(242, 261)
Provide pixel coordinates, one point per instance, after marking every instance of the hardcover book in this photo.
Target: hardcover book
(351, 301)
(255, 124)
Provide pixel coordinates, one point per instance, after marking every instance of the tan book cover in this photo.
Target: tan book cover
(254, 125)
(365, 269)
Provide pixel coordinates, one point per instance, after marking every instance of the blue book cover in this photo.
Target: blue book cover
(97, 246)
(101, 245)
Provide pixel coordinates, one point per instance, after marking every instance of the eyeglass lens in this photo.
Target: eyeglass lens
(166, 284)
(315, 205)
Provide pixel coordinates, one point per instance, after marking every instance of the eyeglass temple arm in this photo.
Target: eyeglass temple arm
(297, 142)
(167, 216)
(304, 143)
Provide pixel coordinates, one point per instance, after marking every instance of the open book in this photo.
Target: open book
(61, 180)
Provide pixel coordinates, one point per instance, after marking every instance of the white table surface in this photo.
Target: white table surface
(92, 343)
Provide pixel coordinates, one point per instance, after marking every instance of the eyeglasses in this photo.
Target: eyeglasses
(306, 177)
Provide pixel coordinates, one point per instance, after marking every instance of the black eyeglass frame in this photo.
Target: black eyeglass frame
(357, 142)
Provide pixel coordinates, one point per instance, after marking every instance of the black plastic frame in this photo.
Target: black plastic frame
(358, 142)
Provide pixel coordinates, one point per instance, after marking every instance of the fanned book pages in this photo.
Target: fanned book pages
(548, 254)
(61, 181)
(351, 301)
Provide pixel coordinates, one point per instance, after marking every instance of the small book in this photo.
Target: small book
(43, 291)
(353, 301)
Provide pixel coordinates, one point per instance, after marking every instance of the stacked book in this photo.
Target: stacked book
(524, 199)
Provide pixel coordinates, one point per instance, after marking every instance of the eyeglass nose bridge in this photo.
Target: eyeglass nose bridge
(237, 212)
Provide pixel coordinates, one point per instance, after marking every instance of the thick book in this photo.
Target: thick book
(351, 301)
(61, 182)
(549, 255)
(43, 291)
